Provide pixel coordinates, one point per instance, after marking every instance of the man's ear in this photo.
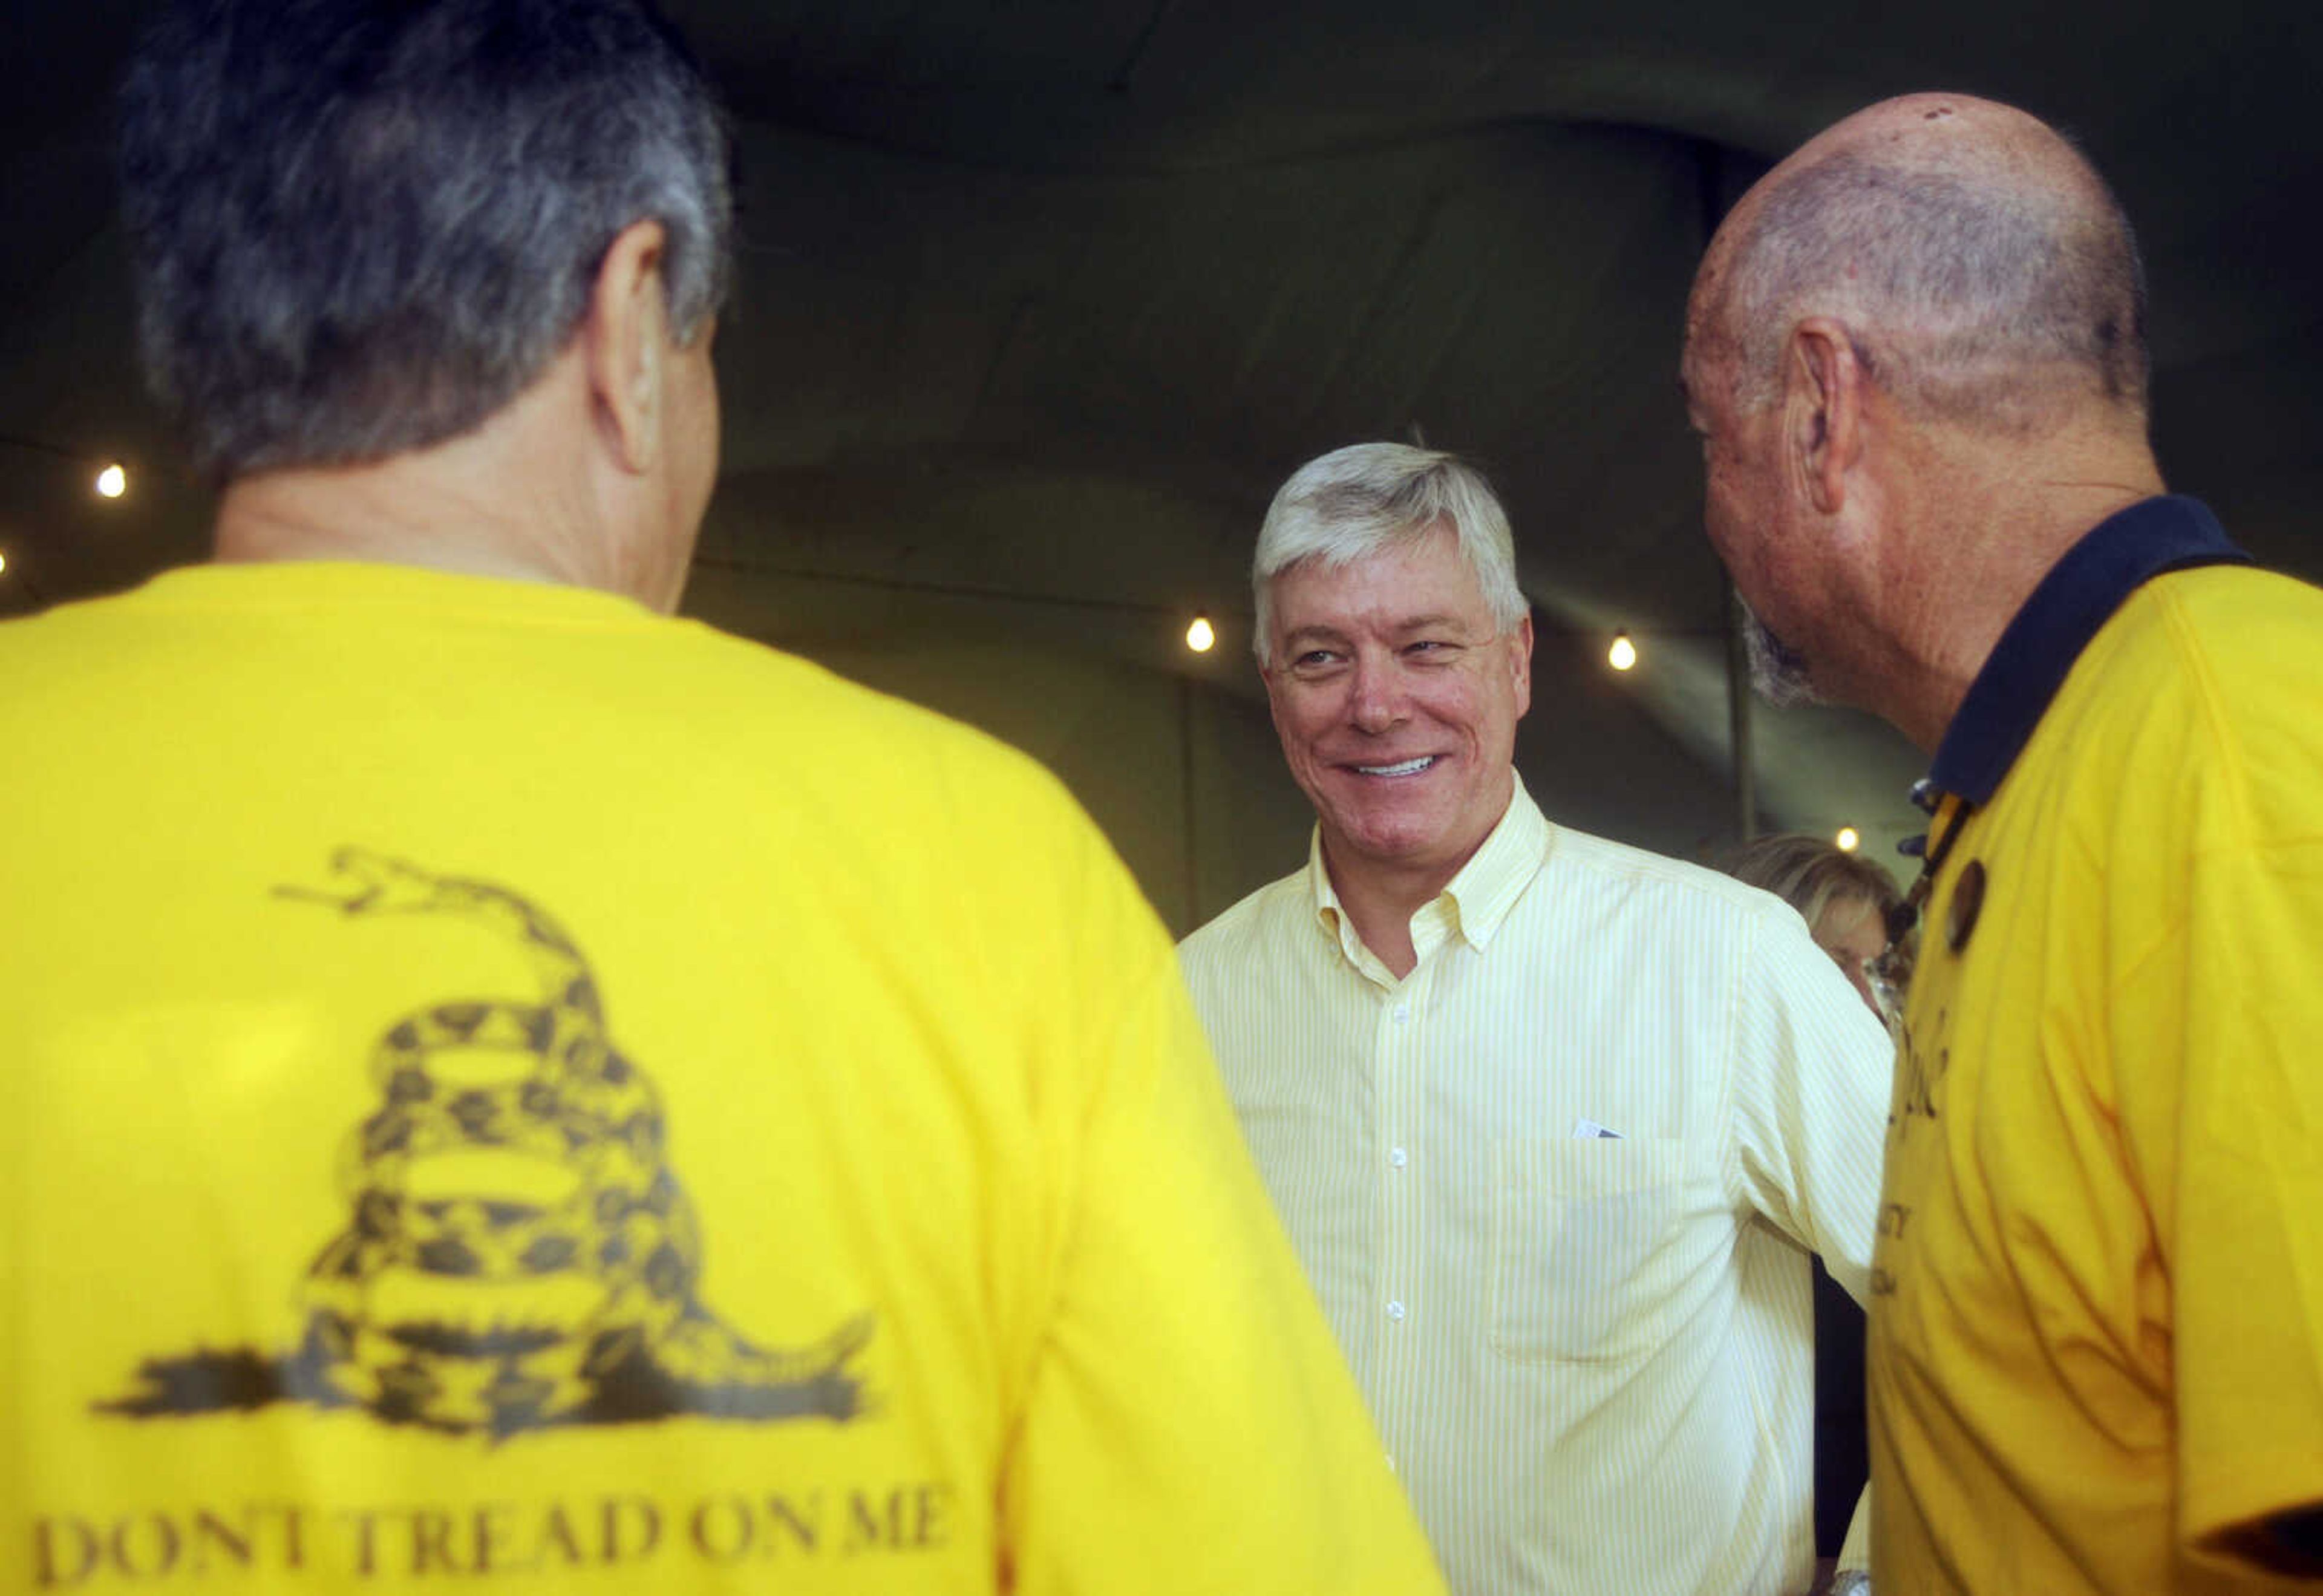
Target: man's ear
(1824, 392)
(1521, 664)
(625, 343)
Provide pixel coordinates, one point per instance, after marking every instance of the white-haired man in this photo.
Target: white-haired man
(1916, 356)
(1555, 1123)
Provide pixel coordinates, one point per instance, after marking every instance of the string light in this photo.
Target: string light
(1623, 653)
(1849, 840)
(113, 482)
(1201, 636)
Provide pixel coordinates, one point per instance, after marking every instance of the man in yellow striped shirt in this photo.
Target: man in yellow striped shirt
(1554, 1124)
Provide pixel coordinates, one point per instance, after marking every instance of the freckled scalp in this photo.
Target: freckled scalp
(1986, 270)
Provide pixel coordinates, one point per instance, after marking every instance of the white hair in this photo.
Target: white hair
(1355, 502)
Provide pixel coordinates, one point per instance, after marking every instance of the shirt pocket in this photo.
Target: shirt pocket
(1584, 1247)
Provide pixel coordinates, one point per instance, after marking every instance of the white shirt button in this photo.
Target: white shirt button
(1391, 1462)
(1401, 1014)
(1398, 1157)
(1395, 1311)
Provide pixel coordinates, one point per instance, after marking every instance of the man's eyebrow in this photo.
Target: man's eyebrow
(1319, 632)
(1314, 632)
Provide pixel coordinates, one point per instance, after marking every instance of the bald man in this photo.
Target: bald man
(1915, 357)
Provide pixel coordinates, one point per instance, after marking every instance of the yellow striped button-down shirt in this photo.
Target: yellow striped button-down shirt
(1557, 1190)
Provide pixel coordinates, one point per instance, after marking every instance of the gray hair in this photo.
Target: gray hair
(361, 227)
(1970, 294)
(1355, 502)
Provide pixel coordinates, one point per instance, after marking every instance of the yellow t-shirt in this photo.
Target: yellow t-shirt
(2097, 1341)
(504, 1086)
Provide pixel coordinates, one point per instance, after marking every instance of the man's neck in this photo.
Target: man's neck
(513, 498)
(1379, 899)
(1986, 537)
(383, 514)
(1383, 922)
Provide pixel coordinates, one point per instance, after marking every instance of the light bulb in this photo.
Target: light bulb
(113, 482)
(1849, 840)
(3, 562)
(1623, 653)
(1201, 635)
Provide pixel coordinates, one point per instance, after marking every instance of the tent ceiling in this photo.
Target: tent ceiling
(1041, 300)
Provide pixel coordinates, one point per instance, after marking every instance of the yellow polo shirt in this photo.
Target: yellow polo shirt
(505, 1090)
(2096, 1327)
(1558, 1189)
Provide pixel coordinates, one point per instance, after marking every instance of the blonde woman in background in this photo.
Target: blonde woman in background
(1850, 904)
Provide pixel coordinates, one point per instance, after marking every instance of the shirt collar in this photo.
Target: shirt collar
(1478, 898)
(2074, 600)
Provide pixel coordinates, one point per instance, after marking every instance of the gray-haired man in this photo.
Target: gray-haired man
(503, 1084)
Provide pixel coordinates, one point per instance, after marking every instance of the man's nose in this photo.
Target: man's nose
(1377, 701)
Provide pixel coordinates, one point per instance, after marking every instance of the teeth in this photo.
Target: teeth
(1407, 767)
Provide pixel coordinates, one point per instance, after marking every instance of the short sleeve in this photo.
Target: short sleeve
(2231, 1006)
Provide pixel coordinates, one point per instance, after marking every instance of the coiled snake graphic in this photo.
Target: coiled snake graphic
(520, 1251)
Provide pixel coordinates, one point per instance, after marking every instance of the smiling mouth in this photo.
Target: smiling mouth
(1407, 767)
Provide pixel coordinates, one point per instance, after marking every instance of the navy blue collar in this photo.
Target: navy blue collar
(2078, 595)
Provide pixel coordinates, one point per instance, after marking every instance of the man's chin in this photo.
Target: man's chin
(1380, 839)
